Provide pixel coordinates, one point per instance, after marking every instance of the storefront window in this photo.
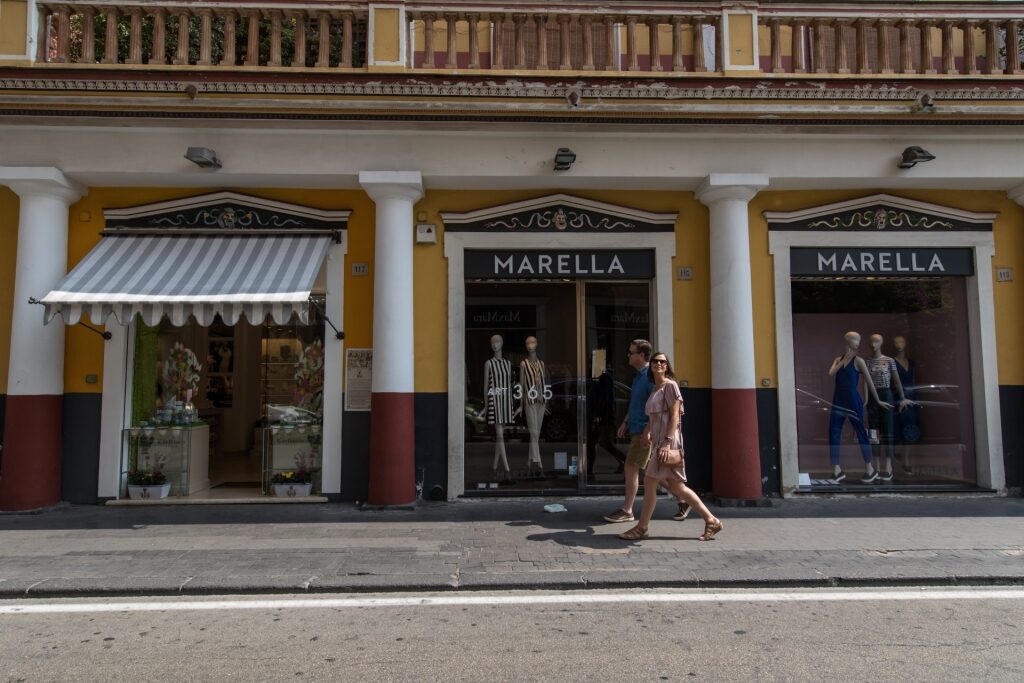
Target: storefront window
(913, 344)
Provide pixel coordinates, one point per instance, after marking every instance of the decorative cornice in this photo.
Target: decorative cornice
(880, 212)
(527, 88)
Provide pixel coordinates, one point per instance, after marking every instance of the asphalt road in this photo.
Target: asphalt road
(878, 635)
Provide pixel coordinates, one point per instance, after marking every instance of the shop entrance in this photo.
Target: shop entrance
(548, 382)
(227, 411)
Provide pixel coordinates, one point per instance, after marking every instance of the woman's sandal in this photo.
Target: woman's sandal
(637, 533)
(710, 529)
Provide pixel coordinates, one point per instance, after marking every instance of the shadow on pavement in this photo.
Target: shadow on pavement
(582, 513)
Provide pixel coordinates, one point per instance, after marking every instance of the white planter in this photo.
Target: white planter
(292, 490)
(149, 492)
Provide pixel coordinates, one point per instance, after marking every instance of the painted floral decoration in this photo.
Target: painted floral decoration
(181, 372)
(309, 378)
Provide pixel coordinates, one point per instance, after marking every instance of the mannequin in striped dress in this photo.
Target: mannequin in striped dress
(498, 385)
(533, 393)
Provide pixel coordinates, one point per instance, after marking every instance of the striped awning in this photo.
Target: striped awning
(198, 275)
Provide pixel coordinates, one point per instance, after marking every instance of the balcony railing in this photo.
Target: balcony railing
(204, 34)
(891, 39)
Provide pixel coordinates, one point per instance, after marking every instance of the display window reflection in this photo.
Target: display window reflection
(883, 384)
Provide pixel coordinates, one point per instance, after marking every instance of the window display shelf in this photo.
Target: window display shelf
(292, 448)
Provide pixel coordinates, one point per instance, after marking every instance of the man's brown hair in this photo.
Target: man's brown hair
(643, 347)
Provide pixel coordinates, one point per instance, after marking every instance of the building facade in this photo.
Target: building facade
(404, 247)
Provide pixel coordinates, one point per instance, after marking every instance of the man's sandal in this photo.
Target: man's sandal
(637, 533)
(710, 529)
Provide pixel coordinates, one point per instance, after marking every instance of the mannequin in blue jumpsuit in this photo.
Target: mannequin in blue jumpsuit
(848, 405)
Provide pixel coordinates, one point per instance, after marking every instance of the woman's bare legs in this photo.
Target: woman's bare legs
(650, 501)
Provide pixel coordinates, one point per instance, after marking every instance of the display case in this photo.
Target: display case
(294, 448)
(179, 452)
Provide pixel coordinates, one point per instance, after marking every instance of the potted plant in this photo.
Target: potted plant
(293, 483)
(148, 484)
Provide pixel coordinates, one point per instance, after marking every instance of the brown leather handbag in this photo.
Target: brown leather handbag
(672, 457)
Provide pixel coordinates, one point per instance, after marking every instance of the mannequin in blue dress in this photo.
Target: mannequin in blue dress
(907, 429)
(847, 404)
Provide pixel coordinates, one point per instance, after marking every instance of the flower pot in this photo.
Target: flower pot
(292, 490)
(156, 491)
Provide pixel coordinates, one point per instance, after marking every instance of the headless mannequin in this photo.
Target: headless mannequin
(907, 430)
(847, 404)
(533, 379)
(883, 419)
(498, 385)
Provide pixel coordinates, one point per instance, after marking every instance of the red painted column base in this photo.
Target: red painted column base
(30, 465)
(735, 447)
(392, 449)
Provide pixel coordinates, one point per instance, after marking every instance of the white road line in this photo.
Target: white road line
(516, 599)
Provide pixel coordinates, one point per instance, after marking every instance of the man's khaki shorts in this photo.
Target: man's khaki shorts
(639, 452)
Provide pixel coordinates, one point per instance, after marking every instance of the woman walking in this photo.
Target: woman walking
(664, 408)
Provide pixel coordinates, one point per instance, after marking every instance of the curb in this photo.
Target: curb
(79, 588)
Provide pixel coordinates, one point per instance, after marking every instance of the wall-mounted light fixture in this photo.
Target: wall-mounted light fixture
(203, 157)
(913, 156)
(564, 159)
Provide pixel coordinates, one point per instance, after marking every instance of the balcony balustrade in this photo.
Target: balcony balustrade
(892, 40)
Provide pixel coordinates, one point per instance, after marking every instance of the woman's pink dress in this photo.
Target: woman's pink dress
(658, 409)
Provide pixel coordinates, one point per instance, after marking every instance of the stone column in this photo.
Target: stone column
(392, 418)
(30, 471)
(735, 449)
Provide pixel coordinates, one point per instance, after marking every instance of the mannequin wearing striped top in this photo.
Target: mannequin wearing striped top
(498, 384)
(533, 381)
(881, 416)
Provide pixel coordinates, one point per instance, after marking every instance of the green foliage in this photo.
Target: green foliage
(146, 478)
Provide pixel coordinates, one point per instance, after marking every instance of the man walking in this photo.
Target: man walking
(639, 453)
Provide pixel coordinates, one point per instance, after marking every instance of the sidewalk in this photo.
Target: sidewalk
(505, 544)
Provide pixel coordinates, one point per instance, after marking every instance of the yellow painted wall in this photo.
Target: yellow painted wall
(13, 27)
(741, 39)
(84, 350)
(1009, 240)
(691, 299)
(8, 257)
(386, 34)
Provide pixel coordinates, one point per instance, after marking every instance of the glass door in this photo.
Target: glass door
(613, 314)
(548, 383)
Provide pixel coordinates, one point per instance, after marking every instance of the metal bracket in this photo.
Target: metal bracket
(338, 334)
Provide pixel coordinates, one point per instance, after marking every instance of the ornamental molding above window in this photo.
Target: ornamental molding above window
(559, 213)
(880, 212)
(222, 212)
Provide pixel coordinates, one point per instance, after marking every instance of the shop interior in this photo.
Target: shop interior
(926, 443)
(581, 331)
(226, 411)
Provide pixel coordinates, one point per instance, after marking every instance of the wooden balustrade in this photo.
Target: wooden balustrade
(860, 42)
(204, 36)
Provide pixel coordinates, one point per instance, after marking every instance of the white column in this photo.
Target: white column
(392, 419)
(732, 327)
(334, 358)
(37, 351)
(30, 476)
(394, 193)
(735, 444)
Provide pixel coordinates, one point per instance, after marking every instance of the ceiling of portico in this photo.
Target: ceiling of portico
(475, 156)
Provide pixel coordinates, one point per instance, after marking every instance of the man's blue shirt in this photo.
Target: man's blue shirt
(637, 415)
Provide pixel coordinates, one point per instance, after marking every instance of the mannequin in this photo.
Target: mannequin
(886, 378)
(533, 391)
(907, 429)
(498, 385)
(847, 404)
